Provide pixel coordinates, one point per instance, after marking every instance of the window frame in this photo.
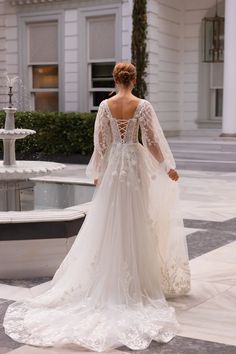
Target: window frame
(85, 96)
(25, 67)
(31, 64)
(213, 93)
(98, 89)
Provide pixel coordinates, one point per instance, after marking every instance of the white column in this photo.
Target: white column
(229, 101)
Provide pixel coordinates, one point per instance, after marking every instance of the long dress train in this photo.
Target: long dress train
(129, 255)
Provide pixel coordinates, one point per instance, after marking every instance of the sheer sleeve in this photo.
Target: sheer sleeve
(164, 208)
(153, 137)
(102, 142)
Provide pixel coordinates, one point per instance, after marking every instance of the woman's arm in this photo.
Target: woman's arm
(154, 140)
(102, 140)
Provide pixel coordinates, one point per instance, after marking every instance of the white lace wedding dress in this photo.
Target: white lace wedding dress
(128, 256)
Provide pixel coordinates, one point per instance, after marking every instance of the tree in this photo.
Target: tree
(139, 46)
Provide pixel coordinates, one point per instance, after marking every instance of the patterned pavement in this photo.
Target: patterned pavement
(207, 315)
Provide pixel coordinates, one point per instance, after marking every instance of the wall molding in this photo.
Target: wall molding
(29, 2)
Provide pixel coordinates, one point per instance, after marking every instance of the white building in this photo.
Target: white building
(64, 51)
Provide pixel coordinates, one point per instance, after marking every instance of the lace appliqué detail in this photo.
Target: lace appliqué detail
(102, 142)
(175, 278)
(153, 137)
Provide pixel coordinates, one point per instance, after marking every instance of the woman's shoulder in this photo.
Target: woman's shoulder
(148, 103)
(103, 102)
(102, 105)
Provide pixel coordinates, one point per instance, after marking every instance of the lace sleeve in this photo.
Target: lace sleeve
(102, 141)
(153, 137)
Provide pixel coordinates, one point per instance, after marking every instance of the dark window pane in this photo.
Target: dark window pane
(45, 76)
(103, 83)
(46, 101)
(219, 103)
(102, 75)
(102, 69)
(98, 97)
(213, 40)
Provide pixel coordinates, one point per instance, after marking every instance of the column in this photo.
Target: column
(229, 100)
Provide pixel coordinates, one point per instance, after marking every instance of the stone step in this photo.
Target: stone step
(202, 132)
(205, 165)
(205, 155)
(202, 145)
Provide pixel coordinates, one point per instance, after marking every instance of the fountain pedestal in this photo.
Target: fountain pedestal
(15, 175)
(9, 156)
(9, 135)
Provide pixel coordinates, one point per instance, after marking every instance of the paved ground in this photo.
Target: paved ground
(208, 314)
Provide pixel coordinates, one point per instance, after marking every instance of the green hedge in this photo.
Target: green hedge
(56, 133)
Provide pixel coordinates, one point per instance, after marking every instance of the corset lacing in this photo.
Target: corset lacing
(122, 126)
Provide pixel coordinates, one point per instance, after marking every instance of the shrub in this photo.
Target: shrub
(56, 133)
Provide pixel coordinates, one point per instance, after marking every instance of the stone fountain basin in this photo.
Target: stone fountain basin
(23, 170)
(33, 243)
(15, 133)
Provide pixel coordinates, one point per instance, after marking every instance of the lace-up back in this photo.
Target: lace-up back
(124, 130)
(122, 126)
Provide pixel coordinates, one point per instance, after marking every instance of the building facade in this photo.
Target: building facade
(64, 51)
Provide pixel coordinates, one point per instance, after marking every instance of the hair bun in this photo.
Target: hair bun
(124, 73)
(124, 76)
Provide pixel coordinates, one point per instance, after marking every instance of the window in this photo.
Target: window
(43, 65)
(213, 39)
(216, 87)
(219, 103)
(101, 58)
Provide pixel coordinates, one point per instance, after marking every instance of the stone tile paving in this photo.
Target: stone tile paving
(182, 345)
(228, 225)
(213, 235)
(25, 283)
(201, 242)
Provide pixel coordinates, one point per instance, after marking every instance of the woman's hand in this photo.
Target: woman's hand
(173, 174)
(95, 181)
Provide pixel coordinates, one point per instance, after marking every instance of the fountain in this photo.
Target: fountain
(40, 215)
(15, 175)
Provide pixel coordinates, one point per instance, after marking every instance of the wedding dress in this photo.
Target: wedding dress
(129, 255)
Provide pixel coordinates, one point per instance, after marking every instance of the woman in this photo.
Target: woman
(130, 252)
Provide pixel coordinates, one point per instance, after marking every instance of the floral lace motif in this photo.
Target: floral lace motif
(109, 130)
(102, 142)
(153, 138)
(95, 329)
(175, 278)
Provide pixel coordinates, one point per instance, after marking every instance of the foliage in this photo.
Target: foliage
(139, 46)
(56, 133)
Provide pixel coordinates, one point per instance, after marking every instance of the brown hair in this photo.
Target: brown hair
(124, 73)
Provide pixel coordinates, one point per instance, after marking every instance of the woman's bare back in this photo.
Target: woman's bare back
(123, 107)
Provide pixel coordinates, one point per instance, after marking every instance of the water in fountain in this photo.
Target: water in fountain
(22, 99)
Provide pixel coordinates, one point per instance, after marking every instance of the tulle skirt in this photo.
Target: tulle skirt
(129, 255)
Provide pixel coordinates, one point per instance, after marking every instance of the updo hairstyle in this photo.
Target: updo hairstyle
(124, 73)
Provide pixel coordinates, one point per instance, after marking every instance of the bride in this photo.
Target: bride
(130, 254)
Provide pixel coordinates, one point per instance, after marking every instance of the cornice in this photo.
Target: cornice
(30, 2)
